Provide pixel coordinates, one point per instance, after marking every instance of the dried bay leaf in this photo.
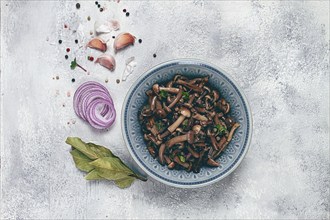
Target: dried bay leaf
(81, 146)
(112, 164)
(93, 175)
(81, 161)
(125, 182)
(101, 163)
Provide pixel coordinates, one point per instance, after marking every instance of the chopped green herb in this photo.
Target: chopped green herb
(163, 94)
(220, 128)
(159, 125)
(185, 124)
(182, 158)
(73, 64)
(185, 95)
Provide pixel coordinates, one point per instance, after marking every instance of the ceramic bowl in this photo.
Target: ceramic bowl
(219, 79)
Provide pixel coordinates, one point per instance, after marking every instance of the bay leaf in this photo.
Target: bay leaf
(112, 164)
(100, 151)
(93, 175)
(125, 182)
(81, 160)
(111, 174)
(81, 146)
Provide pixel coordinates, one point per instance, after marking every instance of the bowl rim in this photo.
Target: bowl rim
(194, 62)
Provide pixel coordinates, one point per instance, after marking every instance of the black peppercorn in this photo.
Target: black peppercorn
(96, 3)
(127, 14)
(76, 41)
(140, 40)
(66, 56)
(73, 80)
(77, 5)
(101, 9)
(60, 41)
(113, 37)
(124, 10)
(154, 55)
(99, 6)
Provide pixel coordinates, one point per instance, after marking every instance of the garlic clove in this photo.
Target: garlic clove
(107, 61)
(123, 40)
(98, 44)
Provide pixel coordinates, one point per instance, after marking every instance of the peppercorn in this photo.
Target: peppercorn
(96, 3)
(77, 5)
(73, 80)
(124, 10)
(88, 18)
(99, 6)
(154, 55)
(66, 57)
(68, 50)
(91, 58)
(65, 26)
(76, 41)
(60, 41)
(140, 40)
(101, 9)
(113, 37)
(118, 81)
(127, 14)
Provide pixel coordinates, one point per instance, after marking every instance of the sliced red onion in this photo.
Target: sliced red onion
(92, 102)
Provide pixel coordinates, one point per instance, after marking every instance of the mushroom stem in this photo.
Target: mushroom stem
(193, 153)
(158, 88)
(153, 130)
(199, 117)
(152, 151)
(153, 103)
(161, 153)
(190, 101)
(184, 113)
(177, 139)
(213, 142)
(190, 86)
(212, 163)
(232, 130)
(176, 99)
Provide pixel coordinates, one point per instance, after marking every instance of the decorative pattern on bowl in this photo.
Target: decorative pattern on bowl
(229, 159)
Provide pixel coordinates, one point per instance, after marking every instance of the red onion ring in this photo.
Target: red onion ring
(92, 102)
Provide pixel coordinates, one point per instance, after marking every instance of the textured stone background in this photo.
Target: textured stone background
(277, 51)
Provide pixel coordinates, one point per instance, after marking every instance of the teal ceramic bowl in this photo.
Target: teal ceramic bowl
(219, 79)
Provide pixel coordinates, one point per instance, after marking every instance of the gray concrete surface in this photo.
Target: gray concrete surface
(277, 51)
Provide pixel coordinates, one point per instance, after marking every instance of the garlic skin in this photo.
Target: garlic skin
(123, 40)
(130, 65)
(107, 61)
(114, 25)
(98, 44)
(106, 27)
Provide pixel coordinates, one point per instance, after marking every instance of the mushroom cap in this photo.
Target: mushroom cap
(215, 95)
(197, 128)
(149, 93)
(160, 113)
(190, 137)
(185, 112)
(155, 87)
